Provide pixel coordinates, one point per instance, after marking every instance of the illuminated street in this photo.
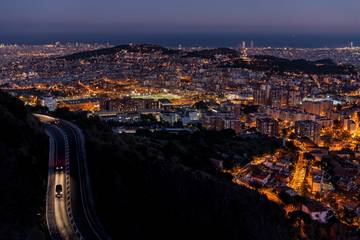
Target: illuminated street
(299, 174)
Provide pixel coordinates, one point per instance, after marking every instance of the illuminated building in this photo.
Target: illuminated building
(294, 98)
(91, 105)
(252, 44)
(267, 126)
(232, 123)
(121, 105)
(317, 181)
(317, 107)
(165, 104)
(278, 97)
(209, 121)
(262, 95)
(348, 125)
(49, 102)
(316, 211)
(148, 104)
(309, 129)
(170, 117)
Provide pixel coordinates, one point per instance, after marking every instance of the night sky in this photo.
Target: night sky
(161, 16)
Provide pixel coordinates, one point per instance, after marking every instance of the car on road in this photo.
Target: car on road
(59, 165)
(58, 191)
(60, 162)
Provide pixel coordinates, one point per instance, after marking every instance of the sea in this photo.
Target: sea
(205, 40)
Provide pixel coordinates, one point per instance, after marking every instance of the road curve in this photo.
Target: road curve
(91, 228)
(72, 216)
(57, 209)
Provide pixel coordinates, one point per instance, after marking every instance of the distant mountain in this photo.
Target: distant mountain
(281, 65)
(256, 63)
(211, 53)
(23, 172)
(148, 48)
(143, 48)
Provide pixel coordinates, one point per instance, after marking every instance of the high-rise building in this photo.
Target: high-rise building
(209, 121)
(278, 97)
(267, 126)
(233, 123)
(309, 129)
(243, 45)
(261, 95)
(294, 98)
(348, 125)
(317, 107)
(252, 44)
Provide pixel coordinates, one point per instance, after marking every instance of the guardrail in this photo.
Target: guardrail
(85, 190)
(68, 182)
(50, 220)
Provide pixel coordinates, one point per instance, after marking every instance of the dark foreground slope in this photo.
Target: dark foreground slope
(23, 169)
(145, 190)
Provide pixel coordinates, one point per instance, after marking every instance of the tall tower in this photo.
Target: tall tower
(252, 44)
(243, 45)
(351, 45)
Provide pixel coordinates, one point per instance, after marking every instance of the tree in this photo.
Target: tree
(201, 105)
(308, 156)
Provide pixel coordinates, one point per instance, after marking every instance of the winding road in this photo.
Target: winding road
(71, 216)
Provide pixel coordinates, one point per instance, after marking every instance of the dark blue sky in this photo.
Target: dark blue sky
(163, 16)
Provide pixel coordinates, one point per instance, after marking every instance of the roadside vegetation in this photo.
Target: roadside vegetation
(167, 186)
(23, 177)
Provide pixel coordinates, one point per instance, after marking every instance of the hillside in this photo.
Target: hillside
(23, 164)
(143, 48)
(163, 187)
(211, 53)
(149, 48)
(281, 65)
(256, 63)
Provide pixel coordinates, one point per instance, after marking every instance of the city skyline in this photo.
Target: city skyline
(166, 119)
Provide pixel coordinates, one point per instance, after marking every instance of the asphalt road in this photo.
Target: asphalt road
(72, 216)
(58, 217)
